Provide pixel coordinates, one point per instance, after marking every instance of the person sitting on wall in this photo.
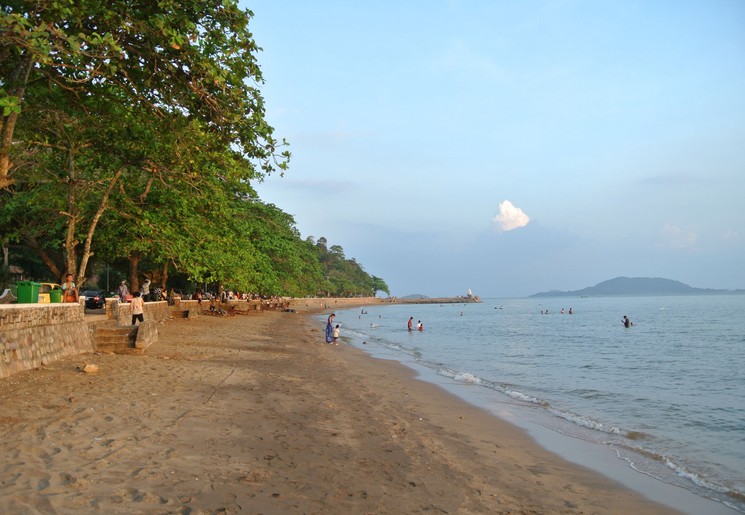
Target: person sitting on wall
(69, 291)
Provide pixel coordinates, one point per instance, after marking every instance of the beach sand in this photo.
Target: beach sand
(254, 414)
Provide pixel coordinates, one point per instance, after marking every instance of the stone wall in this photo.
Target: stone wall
(330, 304)
(194, 306)
(122, 311)
(147, 334)
(34, 334)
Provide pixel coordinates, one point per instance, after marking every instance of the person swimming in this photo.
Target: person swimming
(626, 322)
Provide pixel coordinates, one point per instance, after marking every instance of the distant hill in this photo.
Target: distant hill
(636, 286)
(415, 296)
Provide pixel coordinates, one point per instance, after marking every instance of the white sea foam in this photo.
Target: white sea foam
(523, 397)
(465, 377)
(586, 422)
(695, 478)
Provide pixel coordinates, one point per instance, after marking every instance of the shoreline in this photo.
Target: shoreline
(590, 455)
(255, 414)
(618, 463)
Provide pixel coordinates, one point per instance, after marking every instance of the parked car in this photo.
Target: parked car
(93, 299)
(44, 289)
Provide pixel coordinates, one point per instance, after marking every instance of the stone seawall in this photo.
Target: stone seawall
(122, 311)
(34, 334)
(434, 300)
(330, 304)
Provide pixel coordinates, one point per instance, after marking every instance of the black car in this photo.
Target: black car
(94, 299)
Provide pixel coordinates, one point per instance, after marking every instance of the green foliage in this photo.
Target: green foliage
(132, 133)
(344, 277)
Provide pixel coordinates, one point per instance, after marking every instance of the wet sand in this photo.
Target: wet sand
(254, 414)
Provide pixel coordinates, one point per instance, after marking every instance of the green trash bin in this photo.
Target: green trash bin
(28, 292)
(55, 295)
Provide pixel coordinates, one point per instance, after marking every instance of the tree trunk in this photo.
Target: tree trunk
(164, 276)
(72, 219)
(16, 87)
(92, 228)
(134, 276)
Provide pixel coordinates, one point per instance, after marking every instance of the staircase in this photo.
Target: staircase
(116, 339)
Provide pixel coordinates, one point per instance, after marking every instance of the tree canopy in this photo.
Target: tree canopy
(130, 134)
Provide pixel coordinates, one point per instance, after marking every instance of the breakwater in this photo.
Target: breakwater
(435, 300)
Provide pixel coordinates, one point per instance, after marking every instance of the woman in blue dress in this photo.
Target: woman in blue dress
(330, 329)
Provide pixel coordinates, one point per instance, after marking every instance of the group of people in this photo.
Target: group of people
(545, 312)
(137, 299)
(332, 333)
(419, 325)
(332, 330)
(147, 292)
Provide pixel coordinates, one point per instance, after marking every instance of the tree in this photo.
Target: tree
(378, 284)
(193, 57)
(344, 277)
(112, 90)
(131, 132)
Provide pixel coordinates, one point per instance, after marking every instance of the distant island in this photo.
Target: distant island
(637, 286)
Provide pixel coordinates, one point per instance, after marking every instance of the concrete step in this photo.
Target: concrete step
(126, 339)
(113, 331)
(120, 340)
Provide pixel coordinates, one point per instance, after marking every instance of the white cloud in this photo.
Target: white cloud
(673, 237)
(510, 217)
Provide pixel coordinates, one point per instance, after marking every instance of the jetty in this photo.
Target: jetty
(434, 300)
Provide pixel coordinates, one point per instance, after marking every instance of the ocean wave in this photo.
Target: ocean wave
(586, 422)
(466, 377)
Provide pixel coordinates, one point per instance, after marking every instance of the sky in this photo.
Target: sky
(512, 147)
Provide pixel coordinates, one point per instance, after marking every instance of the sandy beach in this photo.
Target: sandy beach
(254, 414)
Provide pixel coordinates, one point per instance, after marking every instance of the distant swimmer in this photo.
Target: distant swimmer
(626, 322)
(411, 323)
(571, 311)
(419, 326)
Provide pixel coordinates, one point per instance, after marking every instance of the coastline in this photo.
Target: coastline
(255, 414)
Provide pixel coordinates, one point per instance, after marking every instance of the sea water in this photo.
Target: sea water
(666, 394)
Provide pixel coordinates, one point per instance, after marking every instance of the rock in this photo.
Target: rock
(90, 368)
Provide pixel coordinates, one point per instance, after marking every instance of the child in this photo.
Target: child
(138, 306)
(336, 334)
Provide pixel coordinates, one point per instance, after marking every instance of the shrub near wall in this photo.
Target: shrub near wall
(32, 335)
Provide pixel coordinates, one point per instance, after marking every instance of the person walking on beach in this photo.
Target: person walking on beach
(330, 328)
(138, 308)
(411, 323)
(336, 334)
